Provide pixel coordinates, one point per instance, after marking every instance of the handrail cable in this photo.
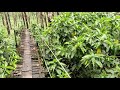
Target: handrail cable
(56, 59)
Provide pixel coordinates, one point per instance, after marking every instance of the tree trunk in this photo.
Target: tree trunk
(37, 17)
(7, 23)
(50, 15)
(29, 19)
(23, 19)
(46, 18)
(26, 20)
(3, 19)
(41, 20)
(8, 17)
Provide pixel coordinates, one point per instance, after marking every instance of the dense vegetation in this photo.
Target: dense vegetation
(85, 43)
(71, 44)
(11, 24)
(9, 40)
(8, 53)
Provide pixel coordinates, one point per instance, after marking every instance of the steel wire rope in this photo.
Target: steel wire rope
(45, 63)
(56, 59)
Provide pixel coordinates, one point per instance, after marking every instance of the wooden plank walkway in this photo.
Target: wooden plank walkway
(31, 65)
(27, 64)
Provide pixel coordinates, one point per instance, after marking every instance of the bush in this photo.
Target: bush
(8, 55)
(87, 42)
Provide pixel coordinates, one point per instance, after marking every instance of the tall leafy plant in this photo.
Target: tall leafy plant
(8, 54)
(86, 42)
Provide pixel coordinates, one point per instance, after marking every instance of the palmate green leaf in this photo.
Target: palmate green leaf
(4, 65)
(72, 54)
(60, 68)
(93, 61)
(100, 56)
(58, 71)
(16, 56)
(93, 30)
(1, 70)
(83, 49)
(2, 75)
(110, 71)
(99, 64)
(8, 71)
(58, 53)
(2, 58)
(67, 55)
(67, 43)
(10, 67)
(103, 37)
(55, 61)
(86, 57)
(50, 62)
(108, 65)
(63, 64)
(87, 64)
(52, 67)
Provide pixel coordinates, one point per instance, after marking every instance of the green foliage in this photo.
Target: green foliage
(8, 55)
(54, 66)
(87, 43)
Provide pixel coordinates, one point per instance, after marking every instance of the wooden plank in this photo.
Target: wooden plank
(27, 64)
(27, 74)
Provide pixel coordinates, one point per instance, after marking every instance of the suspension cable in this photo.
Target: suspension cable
(45, 62)
(57, 59)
